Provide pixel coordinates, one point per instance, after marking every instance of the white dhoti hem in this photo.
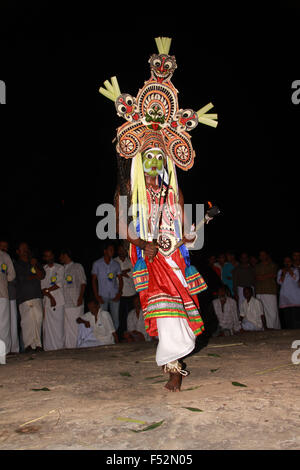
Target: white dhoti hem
(249, 326)
(86, 337)
(176, 339)
(5, 323)
(71, 326)
(269, 302)
(31, 312)
(53, 328)
(15, 346)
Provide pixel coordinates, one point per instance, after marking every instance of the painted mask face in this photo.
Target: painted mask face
(126, 107)
(162, 66)
(153, 162)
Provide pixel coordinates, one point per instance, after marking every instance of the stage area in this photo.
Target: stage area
(96, 398)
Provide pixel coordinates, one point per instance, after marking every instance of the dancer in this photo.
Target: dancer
(154, 140)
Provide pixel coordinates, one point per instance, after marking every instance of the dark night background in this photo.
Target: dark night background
(57, 157)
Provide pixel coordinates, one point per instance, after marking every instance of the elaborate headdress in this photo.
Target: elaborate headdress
(155, 108)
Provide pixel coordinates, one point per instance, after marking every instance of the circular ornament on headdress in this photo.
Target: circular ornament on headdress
(157, 102)
(179, 147)
(129, 138)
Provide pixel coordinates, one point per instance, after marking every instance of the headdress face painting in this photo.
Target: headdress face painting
(154, 113)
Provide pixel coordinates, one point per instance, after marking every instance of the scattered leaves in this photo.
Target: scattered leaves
(148, 428)
(191, 388)
(214, 370)
(213, 355)
(130, 420)
(125, 374)
(192, 409)
(44, 389)
(28, 429)
(238, 384)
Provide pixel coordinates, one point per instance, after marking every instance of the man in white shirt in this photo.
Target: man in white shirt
(96, 327)
(54, 310)
(74, 287)
(128, 291)
(7, 274)
(136, 324)
(12, 294)
(252, 312)
(226, 311)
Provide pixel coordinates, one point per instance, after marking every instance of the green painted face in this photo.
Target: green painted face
(153, 162)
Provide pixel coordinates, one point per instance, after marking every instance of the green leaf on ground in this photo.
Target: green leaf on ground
(148, 428)
(213, 355)
(191, 388)
(44, 389)
(125, 374)
(214, 370)
(238, 384)
(130, 420)
(191, 409)
(154, 377)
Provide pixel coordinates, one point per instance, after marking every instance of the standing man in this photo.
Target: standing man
(243, 275)
(296, 262)
(227, 271)
(129, 292)
(12, 294)
(73, 289)
(29, 297)
(266, 288)
(106, 272)
(54, 309)
(7, 274)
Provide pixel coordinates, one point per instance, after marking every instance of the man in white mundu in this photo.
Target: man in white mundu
(12, 295)
(54, 303)
(29, 296)
(74, 287)
(7, 274)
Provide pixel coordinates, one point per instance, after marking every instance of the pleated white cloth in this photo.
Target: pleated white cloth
(5, 323)
(31, 312)
(53, 328)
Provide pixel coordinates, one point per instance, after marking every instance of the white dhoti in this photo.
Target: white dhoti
(53, 328)
(5, 323)
(31, 312)
(71, 326)
(176, 340)
(269, 302)
(15, 346)
(86, 337)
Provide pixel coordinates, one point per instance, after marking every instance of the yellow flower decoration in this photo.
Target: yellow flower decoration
(110, 276)
(3, 267)
(33, 270)
(53, 279)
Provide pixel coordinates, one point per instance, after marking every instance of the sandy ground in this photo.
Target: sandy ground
(93, 393)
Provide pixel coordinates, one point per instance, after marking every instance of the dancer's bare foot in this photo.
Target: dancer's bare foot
(174, 382)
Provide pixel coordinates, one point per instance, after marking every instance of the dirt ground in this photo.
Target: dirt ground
(92, 398)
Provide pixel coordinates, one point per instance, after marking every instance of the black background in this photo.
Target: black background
(57, 158)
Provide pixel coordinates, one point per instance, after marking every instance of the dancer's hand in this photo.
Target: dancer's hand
(151, 250)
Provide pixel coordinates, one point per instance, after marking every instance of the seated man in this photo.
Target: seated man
(135, 324)
(226, 310)
(252, 312)
(95, 327)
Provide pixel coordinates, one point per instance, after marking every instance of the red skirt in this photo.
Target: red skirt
(166, 296)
